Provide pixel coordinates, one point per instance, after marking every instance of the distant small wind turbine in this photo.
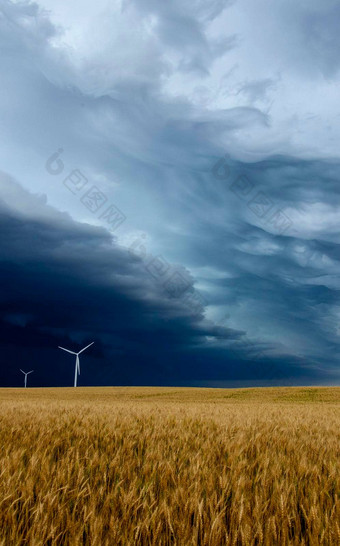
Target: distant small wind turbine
(77, 368)
(26, 374)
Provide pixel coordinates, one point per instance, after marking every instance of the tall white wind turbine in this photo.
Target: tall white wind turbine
(77, 368)
(26, 374)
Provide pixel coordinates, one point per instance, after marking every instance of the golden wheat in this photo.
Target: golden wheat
(159, 466)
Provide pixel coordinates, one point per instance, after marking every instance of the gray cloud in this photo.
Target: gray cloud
(130, 118)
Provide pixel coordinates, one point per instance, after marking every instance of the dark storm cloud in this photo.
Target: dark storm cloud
(288, 282)
(68, 283)
(128, 118)
(61, 277)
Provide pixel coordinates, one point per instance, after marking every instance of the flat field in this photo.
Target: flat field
(159, 466)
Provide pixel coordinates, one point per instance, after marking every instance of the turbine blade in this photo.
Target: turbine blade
(86, 347)
(21, 370)
(78, 365)
(30, 372)
(67, 350)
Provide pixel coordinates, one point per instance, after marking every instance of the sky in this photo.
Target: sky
(169, 189)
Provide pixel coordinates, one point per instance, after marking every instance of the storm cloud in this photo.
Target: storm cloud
(212, 130)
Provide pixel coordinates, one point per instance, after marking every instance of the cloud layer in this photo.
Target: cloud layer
(143, 101)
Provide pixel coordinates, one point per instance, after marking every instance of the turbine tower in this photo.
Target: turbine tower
(26, 374)
(77, 368)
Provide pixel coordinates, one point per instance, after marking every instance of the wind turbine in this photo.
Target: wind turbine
(26, 374)
(77, 368)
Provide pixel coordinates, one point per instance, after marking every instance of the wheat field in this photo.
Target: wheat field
(159, 466)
